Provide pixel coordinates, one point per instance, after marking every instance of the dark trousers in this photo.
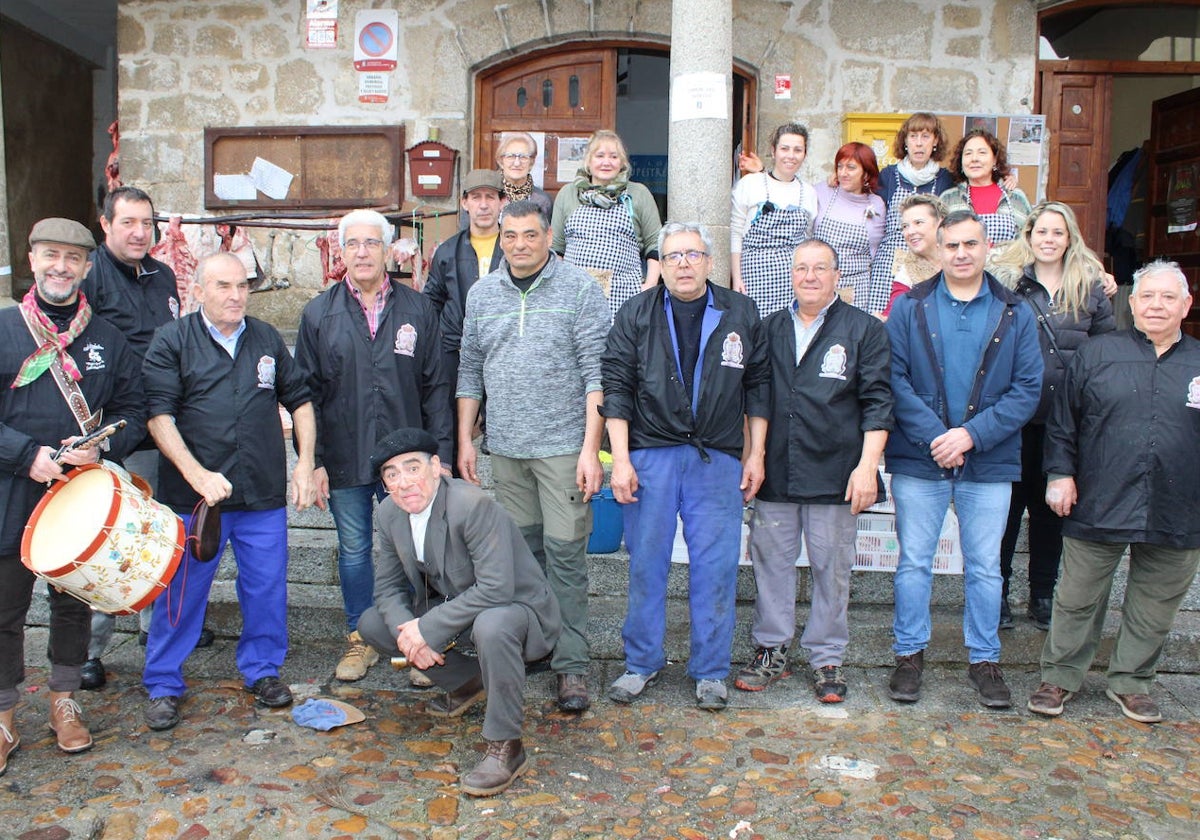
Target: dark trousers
(70, 623)
(1045, 526)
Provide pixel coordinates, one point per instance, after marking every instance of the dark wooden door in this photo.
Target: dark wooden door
(1175, 190)
(1077, 108)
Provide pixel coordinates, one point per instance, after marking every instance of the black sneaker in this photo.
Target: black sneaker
(272, 692)
(1006, 619)
(829, 684)
(769, 664)
(1039, 612)
(989, 682)
(162, 712)
(905, 684)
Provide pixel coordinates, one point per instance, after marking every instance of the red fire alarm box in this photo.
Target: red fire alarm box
(431, 169)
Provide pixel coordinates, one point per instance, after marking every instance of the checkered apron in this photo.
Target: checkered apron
(893, 238)
(854, 256)
(767, 256)
(1000, 227)
(605, 238)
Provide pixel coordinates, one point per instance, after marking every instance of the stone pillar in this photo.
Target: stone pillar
(701, 149)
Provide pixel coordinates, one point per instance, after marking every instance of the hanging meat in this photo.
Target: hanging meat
(173, 250)
(112, 169)
(331, 258)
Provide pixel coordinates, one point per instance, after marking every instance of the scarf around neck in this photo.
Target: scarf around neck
(518, 192)
(51, 343)
(917, 177)
(602, 196)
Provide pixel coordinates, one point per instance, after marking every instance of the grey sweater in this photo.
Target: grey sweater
(536, 355)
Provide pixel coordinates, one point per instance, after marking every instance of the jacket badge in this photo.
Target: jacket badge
(266, 372)
(833, 366)
(732, 351)
(94, 360)
(173, 305)
(1194, 393)
(406, 340)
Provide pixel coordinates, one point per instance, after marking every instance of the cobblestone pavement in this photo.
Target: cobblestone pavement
(774, 765)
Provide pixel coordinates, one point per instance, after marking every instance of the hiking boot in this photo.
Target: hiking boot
(829, 684)
(1039, 612)
(1006, 619)
(503, 762)
(1139, 707)
(711, 695)
(905, 684)
(162, 712)
(769, 664)
(357, 659)
(455, 703)
(1048, 700)
(66, 721)
(989, 682)
(630, 685)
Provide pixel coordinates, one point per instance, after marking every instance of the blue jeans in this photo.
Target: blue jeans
(674, 481)
(982, 509)
(352, 513)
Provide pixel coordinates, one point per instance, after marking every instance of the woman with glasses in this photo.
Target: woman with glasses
(1066, 287)
(516, 157)
(606, 224)
(850, 218)
(980, 166)
(773, 211)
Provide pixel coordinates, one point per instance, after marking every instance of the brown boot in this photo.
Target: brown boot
(66, 719)
(9, 739)
(455, 703)
(504, 761)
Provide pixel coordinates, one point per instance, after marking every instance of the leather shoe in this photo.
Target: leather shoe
(162, 712)
(1039, 612)
(455, 703)
(66, 721)
(1139, 707)
(503, 763)
(272, 692)
(92, 675)
(573, 693)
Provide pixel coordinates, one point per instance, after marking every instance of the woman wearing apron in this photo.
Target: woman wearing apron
(605, 224)
(850, 218)
(772, 212)
(919, 145)
(921, 215)
(978, 165)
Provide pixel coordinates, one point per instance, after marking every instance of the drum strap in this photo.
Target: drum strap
(88, 420)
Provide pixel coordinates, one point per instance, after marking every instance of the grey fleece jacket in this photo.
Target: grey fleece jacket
(536, 355)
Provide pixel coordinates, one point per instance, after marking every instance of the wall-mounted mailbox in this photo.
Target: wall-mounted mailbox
(431, 169)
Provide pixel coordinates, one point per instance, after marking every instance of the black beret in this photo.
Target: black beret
(408, 439)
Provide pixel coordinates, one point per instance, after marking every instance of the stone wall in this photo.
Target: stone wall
(185, 65)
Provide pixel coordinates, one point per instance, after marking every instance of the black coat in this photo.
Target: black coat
(135, 304)
(452, 272)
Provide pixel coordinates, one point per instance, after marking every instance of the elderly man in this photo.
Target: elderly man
(459, 262)
(453, 574)
(532, 341)
(831, 410)
(685, 364)
(55, 352)
(214, 382)
(137, 294)
(372, 355)
(966, 376)
(1123, 463)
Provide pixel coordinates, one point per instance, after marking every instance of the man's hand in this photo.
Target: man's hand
(949, 448)
(1061, 495)
(467, 460)
(862, 490)
(589, 474)
(44, 469)
(213, 486)
(412, 645)
(754, 470)
(304, 487)
(624, 481)
(76, 457)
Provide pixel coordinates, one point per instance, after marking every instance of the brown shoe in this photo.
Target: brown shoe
(1048, 700)
(357, 659)
(418, 679)
(66, 719)
(454, 703)
(10, 741)
(905, 683)
(573, 693)
(504, 761)
(1139, 707)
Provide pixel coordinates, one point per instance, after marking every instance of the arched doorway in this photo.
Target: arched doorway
(564, 93)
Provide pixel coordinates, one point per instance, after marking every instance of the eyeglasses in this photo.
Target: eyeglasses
(821, 269)
(680, 257)
(369, 244)
(513, 157)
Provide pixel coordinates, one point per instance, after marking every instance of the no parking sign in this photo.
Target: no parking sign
(375, 46)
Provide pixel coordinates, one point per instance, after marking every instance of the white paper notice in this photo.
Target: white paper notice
(696, 96)
(274, 181)
(234, 187)
(570, 157)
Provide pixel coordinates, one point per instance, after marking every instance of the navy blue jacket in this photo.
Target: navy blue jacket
(1004, 396)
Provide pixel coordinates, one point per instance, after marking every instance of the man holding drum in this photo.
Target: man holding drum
(214, 380)
(52, 349)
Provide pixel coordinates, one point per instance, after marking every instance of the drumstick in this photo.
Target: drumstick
(89, 440)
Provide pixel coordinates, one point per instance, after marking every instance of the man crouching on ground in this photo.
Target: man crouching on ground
(453, 572)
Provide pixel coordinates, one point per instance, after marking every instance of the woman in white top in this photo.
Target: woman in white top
(773, 211)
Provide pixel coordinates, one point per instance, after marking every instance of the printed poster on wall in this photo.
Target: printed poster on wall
(375, 40)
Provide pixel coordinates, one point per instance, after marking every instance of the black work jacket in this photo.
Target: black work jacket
(136, 304)
(452, 272)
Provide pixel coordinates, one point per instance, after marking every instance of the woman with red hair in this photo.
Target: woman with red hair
(850, 218)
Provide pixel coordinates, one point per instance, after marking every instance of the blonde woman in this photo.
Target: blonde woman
(920, 217)
(607, 224)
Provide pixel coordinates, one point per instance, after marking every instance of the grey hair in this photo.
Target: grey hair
(366, 217)
(672, 228)
(218, 257)
(1161, 267)
(816, 240)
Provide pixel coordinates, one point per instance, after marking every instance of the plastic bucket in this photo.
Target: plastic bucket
(608, 525)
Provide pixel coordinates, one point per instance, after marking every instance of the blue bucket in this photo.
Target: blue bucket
(608, 524)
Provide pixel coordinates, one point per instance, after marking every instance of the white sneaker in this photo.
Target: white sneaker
(711, 695)
(630, 685)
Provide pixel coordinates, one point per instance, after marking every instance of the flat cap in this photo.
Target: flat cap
(477, 178)
(407, 439)
(62, 231)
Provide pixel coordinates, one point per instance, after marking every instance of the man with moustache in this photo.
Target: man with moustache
(371, 351)
(52, 346)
